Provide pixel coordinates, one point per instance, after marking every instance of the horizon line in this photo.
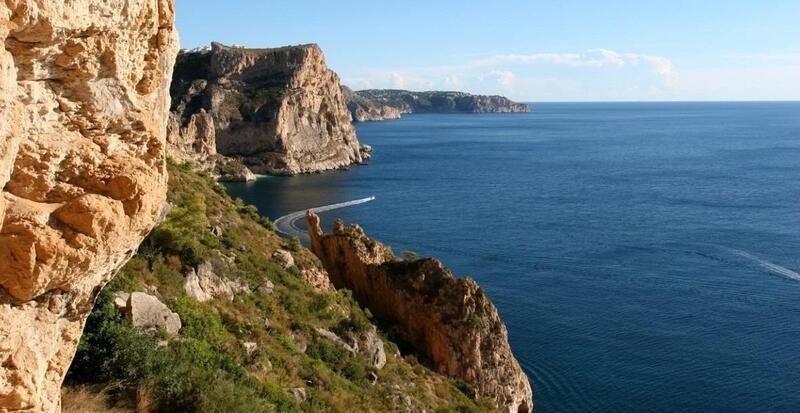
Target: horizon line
(663, 101)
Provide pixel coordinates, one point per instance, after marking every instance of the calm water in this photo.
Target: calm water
(644, 256)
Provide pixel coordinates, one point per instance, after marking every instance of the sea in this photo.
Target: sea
(644, 256)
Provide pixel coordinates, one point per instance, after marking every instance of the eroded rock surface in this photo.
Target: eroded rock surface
(280, 111)
(83, 108)
(448, 320)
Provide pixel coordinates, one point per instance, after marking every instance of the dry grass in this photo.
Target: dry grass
(86, 400)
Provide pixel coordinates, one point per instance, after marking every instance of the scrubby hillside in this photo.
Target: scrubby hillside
(254, 334)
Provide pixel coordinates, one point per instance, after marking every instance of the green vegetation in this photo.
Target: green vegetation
(410, 256)
(207, 368)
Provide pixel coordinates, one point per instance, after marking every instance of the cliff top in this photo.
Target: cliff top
(454, 93)
(217, 46)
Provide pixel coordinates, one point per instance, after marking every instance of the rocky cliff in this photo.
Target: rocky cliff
(450, 321)
(83, 105)
(366, 110)
(381, 104)
(280, 111)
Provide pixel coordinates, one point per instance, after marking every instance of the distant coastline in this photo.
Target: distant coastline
(386, 104)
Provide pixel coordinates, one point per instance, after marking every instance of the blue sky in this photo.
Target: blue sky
(530, 50)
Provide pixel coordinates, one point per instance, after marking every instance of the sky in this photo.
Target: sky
(530, 50)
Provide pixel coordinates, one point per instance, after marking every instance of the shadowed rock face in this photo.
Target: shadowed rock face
(448, 320)
(83, 107)
(280, 111)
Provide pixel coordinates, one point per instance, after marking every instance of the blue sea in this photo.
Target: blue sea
(645, 256)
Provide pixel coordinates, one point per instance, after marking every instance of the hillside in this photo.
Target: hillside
(276, 343)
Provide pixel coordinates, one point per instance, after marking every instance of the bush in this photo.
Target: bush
(200, 323)
(111, 349)
(250, 211)
(185, 232)
(295, 245)
(410, 255)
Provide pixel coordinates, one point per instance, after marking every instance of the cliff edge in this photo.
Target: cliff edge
(280, 111)
(83, 104)
(448, 320)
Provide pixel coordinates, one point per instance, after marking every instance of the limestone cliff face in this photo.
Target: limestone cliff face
(367, 105)
(83, 107)
(366, 110)
(280, 111)
(449, 320)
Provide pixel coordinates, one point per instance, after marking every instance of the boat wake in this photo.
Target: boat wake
(287, 224)
(769, 266)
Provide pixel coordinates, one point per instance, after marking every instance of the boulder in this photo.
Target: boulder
(299, 393)
(283, 258)
(266, 288)
(147, 313)
(370, 347)
(250, 348)
(216, 231)
(121, 300)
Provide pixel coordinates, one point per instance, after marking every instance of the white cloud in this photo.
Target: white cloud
(512, 74)
(504, 78)
(597, 58)
(600, 74)
(398, 80)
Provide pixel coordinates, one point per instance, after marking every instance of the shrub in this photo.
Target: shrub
(410, 255)
(250, 211)
(111, 349)
(295, 245)
(185, 232)
(200, 323)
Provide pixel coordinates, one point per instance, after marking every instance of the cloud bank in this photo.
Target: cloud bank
(598, 74)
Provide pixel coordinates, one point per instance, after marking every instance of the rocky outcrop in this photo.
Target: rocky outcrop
(283, 258)
(83, 108)
(448, 320)
(280, 111)
(363, 109)
(381, 104)
(195, 142)
(366, 344)
(317, 278)
(148, 313)
(204, 284)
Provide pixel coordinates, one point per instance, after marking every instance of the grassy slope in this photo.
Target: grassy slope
(206, 368)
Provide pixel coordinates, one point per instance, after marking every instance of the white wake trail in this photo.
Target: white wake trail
(769, 266)
(287, 224)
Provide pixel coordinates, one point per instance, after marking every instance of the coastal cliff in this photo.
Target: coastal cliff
(366, 110)
(83, 107)
(280, 111)
(383, 104)
(449, 320)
